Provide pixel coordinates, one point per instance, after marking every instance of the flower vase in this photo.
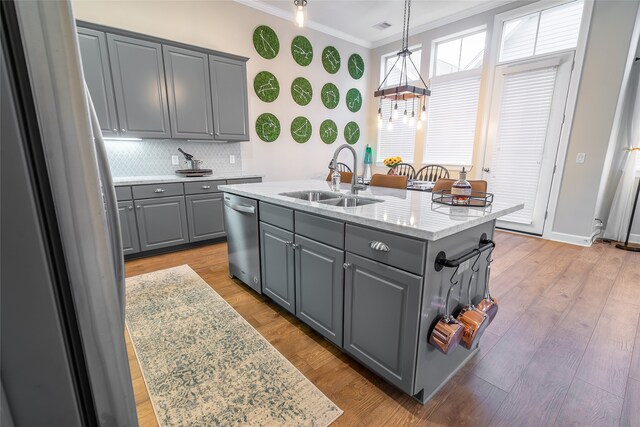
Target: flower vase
(393, 171)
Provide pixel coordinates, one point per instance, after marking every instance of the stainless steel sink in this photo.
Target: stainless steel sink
(312, 196)
(350, 201)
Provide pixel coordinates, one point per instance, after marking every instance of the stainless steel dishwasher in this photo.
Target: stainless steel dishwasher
(243, 245)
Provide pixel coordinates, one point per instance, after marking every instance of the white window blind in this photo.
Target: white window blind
(519, 146)
(399, 140)
(451, 122)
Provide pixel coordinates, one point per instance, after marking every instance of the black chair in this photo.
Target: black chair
(343, 168)
(404, 169)
(432, 173)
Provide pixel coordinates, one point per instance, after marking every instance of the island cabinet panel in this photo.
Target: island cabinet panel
(205, 215)
(321, 229)
(381, 316)
(229, 95)
(189, 93)
(161, 222)
(128, 228)
(97, 74)
(139, 83)
(319, 287)
(277, 263)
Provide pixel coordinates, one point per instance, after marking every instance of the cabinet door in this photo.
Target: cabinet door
(128, 228)
(229, 94)
(276, 257)
(205, 215)
(139, 85)
(161, 222)
(97, 74)
(319, 287)
(381, 313)
(188, 93)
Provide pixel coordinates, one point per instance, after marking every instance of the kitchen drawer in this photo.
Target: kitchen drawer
(123, 193)
(398, 251)
(149, 191)
(276, 215)
(243, 181)
(320, 229)
(203, 187)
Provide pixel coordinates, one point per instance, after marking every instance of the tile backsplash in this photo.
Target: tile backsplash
(153, 157)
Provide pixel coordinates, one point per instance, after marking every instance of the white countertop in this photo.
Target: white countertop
(134, 180)
(411, 213)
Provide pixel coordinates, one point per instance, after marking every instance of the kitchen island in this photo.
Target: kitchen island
(371, 278)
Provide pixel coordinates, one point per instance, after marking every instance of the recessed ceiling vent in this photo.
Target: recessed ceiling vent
(382, 26)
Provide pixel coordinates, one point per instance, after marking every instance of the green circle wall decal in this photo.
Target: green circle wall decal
(356, 66)
(351, 132)
(331, 59)
(301, 50)
(354, 100)
(268, 127)
(328, 131)
(330, 96)
(301, 91)
(266, 42)
(266, 86)
(301, 129)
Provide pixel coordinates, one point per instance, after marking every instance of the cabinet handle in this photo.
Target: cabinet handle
(159, 190)
(115, 130)
(379, 246)
(288, 243)
(130, 207)
(123, 130)
(295, 246)
(137, 206)
(211, 133)
(206, 187)
(346, 265)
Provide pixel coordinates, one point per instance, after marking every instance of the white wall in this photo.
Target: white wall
(228, 26)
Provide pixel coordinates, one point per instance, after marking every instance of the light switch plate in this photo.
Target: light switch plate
(232, 158)
(580, 157)
(174, 160)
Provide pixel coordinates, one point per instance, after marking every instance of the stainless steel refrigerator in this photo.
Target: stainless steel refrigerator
(63, 359)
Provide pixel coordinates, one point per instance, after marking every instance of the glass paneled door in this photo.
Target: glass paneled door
(527, 114)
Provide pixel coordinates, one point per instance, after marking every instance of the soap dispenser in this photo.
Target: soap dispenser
(461, 189)
(368, 159)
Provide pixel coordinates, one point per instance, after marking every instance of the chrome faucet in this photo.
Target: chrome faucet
(354, 180)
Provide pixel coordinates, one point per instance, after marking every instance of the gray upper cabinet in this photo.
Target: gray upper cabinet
(139, 85)
(97, 74)
(319, 287)
(188, 93)
(161, 222)
(205, 214)
(277, 264)
(128, 228)
(229, 94)
(381, 314)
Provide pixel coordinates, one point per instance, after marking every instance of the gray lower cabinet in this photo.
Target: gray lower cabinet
(205, 214)
(319, 287)
(97, 74)
(139, 86)
(128, 228)
(230, 102)
(277, 264)
(162, 222)
(381, 315)
(189, 93)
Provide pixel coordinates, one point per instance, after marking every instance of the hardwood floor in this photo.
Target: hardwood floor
(564, 348)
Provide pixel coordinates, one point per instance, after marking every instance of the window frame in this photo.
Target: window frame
(383, 63)
(451, 37)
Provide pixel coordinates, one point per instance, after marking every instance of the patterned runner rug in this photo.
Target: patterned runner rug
(204, 365)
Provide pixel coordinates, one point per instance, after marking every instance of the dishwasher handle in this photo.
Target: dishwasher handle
(240, 208)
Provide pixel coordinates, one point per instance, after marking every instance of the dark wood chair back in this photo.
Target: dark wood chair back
(390, 181)
(404, 169)
(477, 186)
(342, 167)
(344, 176)
(432, 173)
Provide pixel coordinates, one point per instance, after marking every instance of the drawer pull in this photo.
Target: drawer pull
(346, 265)
(130, 207)
(206, 187)
(379, 246)
(288, 243)
(137, 206)
(159, 190)
(295, 246)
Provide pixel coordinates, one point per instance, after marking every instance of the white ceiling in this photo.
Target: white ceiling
(353, 20)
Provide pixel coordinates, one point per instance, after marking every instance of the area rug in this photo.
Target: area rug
(204, 365)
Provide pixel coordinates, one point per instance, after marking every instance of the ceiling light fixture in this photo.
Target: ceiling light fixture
(403, 90)
(300, 4)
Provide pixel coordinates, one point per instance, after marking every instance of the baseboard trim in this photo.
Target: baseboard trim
(569, 238)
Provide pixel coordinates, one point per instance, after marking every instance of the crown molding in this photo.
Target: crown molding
(289, 16)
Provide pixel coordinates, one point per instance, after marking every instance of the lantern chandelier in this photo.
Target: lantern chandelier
(404, 94)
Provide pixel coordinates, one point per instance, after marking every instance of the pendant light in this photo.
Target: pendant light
(300, 5)
(403, 90)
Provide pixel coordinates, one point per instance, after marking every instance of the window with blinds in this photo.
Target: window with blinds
(395, 138)
(451, 121)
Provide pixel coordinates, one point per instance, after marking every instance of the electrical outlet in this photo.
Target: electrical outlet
(580, 158)
(232, 158)
(175, 161)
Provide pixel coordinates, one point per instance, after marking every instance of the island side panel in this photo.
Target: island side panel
(432, 367)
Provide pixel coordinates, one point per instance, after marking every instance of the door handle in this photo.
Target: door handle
(486, 169)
